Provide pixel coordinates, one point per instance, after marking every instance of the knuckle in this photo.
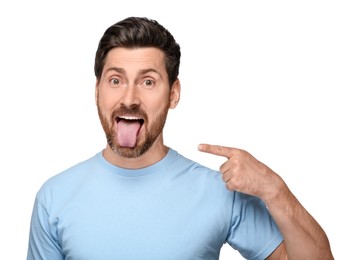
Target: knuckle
(230, 186)
(222, 168)
(223, 178)
(218, 149)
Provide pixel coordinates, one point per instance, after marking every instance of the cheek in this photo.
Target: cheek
(106, 101)
(157, 105)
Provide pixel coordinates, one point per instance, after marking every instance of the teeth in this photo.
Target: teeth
(130, 118)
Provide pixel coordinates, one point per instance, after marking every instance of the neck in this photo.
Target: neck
(152, 156)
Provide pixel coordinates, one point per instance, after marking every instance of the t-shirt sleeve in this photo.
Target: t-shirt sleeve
(253, 231)
(43, 243)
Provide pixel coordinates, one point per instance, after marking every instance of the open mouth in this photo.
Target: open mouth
(130, 119)
(128, 128)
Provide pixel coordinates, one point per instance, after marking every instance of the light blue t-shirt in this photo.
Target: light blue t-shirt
(175, 209)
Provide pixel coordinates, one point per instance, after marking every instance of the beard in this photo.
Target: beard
(152, 130)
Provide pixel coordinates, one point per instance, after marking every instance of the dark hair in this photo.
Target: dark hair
(134, 32)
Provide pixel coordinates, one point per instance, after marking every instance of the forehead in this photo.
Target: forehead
(138, 58)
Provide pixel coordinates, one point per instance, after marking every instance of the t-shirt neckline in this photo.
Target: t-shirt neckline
(156, 167)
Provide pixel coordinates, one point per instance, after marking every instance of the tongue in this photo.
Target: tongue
(127, 131)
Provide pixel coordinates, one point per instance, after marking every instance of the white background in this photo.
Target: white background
(270, 77)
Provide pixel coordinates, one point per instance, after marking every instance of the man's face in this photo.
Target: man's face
(133, 98)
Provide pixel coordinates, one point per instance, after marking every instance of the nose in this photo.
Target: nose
(130, 96)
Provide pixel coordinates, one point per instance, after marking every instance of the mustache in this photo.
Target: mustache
(133, 110)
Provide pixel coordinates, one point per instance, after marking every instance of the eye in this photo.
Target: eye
(148, 83)
(115, 82)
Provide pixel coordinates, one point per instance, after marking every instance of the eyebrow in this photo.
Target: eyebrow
(140, 72)
(145, 71)
(116, 69)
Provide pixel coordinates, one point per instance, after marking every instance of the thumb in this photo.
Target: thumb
(219, 150)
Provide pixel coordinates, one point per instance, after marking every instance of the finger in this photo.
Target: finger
(226, 177)
(219, 150)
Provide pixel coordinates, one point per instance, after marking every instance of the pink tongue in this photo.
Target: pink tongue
(127, 131)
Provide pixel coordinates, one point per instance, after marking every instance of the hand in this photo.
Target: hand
(304, 238)
(243, 172)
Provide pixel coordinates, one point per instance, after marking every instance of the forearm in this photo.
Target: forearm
(303, 236)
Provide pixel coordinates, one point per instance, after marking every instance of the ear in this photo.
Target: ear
(175, 93)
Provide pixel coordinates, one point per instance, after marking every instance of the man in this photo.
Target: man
(138, 199)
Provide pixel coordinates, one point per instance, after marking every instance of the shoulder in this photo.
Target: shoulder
(191, 166)
(67, 179)
(198, 174)
(75, 171)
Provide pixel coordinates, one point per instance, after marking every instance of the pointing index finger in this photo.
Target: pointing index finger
(217, 150)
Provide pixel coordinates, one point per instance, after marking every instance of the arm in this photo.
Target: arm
(303, 236)
(42, 242)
